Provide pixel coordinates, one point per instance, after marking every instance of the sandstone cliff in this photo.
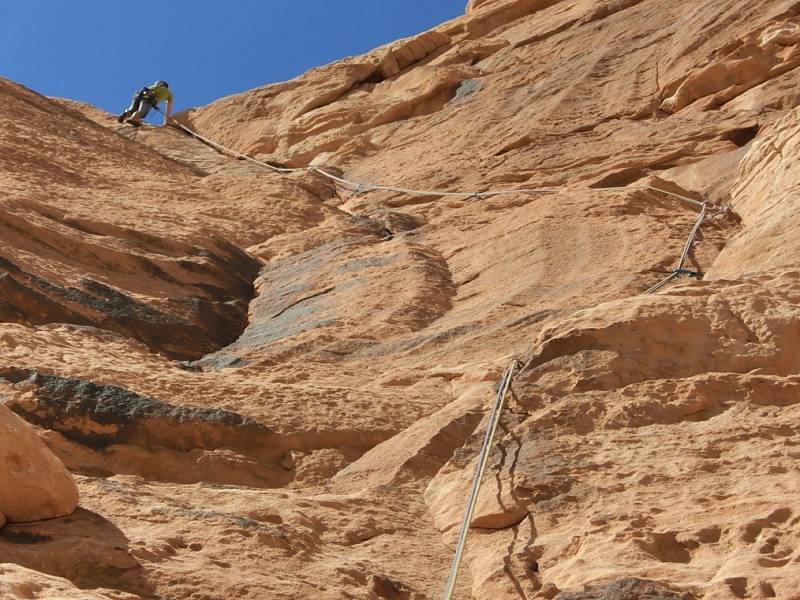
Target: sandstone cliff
(269, 385)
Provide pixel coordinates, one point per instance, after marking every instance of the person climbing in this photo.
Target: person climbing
(146, 99)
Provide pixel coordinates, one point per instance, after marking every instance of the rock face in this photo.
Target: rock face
(246, 368)
(34, 484)
(763, 197)
(75, 267)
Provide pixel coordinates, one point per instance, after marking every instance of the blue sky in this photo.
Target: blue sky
(100, 51)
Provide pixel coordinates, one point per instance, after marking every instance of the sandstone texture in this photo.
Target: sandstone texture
(273, 385)
(34, 484)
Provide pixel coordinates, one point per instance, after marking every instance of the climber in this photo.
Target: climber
(146, 99)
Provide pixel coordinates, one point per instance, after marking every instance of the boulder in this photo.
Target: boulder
(34, 484)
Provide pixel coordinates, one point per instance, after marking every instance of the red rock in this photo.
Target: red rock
(34, 484)
(248, 368)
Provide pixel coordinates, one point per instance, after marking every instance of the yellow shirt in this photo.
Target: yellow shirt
(162, 93)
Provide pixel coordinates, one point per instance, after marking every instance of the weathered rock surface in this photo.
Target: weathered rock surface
(626, 589)
(764, 197)
(245, 369)
(19, 583)
(34, 484)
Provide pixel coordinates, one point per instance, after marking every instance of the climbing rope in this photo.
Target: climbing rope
(225, 150)
(480, 468)
(514, 368)
(680, 270)
(370, 187)
(359, 187)
(362, 187)
(684, 198)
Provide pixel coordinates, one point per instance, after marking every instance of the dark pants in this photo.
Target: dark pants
(141, 105)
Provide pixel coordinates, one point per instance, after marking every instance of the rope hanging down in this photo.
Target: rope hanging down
(514, 368)
(494, 420)
(679, 270)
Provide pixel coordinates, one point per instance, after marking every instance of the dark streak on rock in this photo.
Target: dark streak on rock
(69, 405)
(327, 290)
(629, 588)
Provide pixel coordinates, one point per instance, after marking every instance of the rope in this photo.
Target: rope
(687, 248)
(661, 284)
(361, 187)
(229, 151)
(679, 270)
(515, 367)
(684, 198)
(480, 468)
(225, 150)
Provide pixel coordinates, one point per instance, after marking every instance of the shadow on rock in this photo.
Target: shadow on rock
(84, 547)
